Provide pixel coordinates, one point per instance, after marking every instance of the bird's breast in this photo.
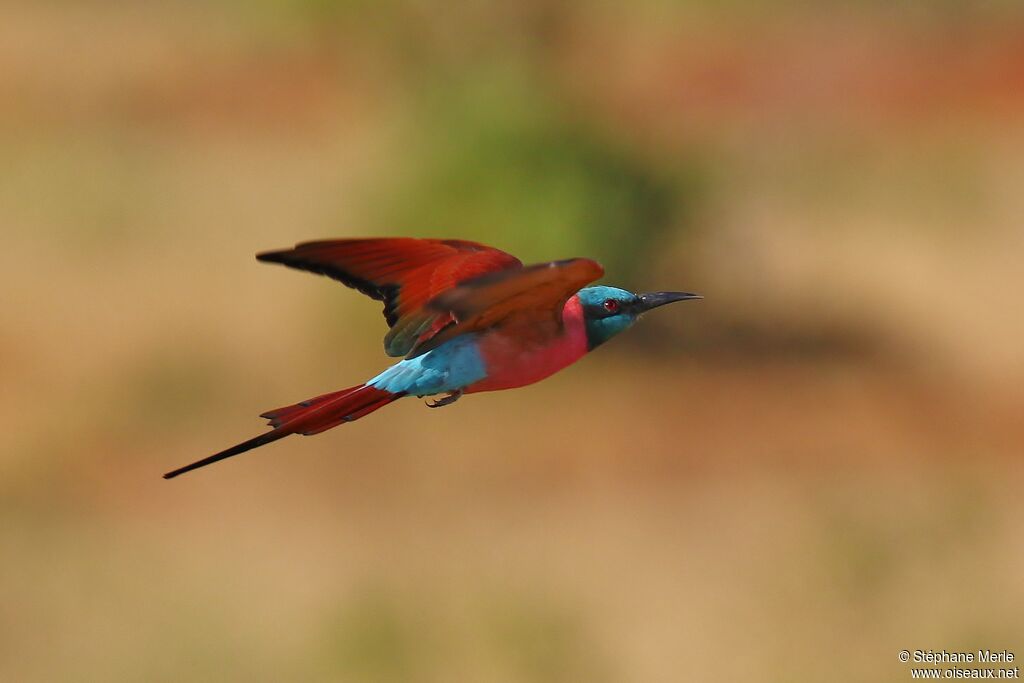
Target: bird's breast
(515, 358)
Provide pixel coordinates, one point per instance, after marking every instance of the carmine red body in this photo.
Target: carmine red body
(517, 360)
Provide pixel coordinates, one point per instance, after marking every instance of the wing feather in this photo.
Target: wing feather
(405, 273)
(532, 296)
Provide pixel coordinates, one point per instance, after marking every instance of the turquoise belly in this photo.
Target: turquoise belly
(450, 367)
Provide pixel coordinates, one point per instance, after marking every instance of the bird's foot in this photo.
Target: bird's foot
(451, 398)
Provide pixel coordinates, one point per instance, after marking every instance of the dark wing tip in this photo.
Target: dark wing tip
(273, 256)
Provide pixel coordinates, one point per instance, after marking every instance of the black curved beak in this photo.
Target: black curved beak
(655, 299)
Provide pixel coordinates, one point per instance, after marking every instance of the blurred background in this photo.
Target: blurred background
(814, 468)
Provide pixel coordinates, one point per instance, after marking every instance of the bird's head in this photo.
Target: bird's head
(610, 310)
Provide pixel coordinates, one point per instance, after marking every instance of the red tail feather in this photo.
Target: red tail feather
(348, 406)
(278, 416)
(308, 417)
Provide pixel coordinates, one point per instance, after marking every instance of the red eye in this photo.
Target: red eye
(611, 305)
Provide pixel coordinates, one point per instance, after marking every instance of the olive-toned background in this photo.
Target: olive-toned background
(814, 468)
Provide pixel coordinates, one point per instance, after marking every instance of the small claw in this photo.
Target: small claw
(451, 398)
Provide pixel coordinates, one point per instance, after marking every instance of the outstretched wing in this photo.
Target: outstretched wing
(531, 297)
(405, 273)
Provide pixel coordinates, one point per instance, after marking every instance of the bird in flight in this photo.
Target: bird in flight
(466, 318)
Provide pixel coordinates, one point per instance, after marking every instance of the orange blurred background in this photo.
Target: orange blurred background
(814, 468)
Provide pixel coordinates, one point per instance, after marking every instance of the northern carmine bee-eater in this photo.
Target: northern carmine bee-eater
(466, 317)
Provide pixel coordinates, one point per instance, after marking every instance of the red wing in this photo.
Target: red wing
(405, 273)
(533, 297)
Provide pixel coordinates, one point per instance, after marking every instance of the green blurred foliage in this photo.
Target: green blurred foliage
(375, 641)
(494, 148)
(502, 159)
(383, 635)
